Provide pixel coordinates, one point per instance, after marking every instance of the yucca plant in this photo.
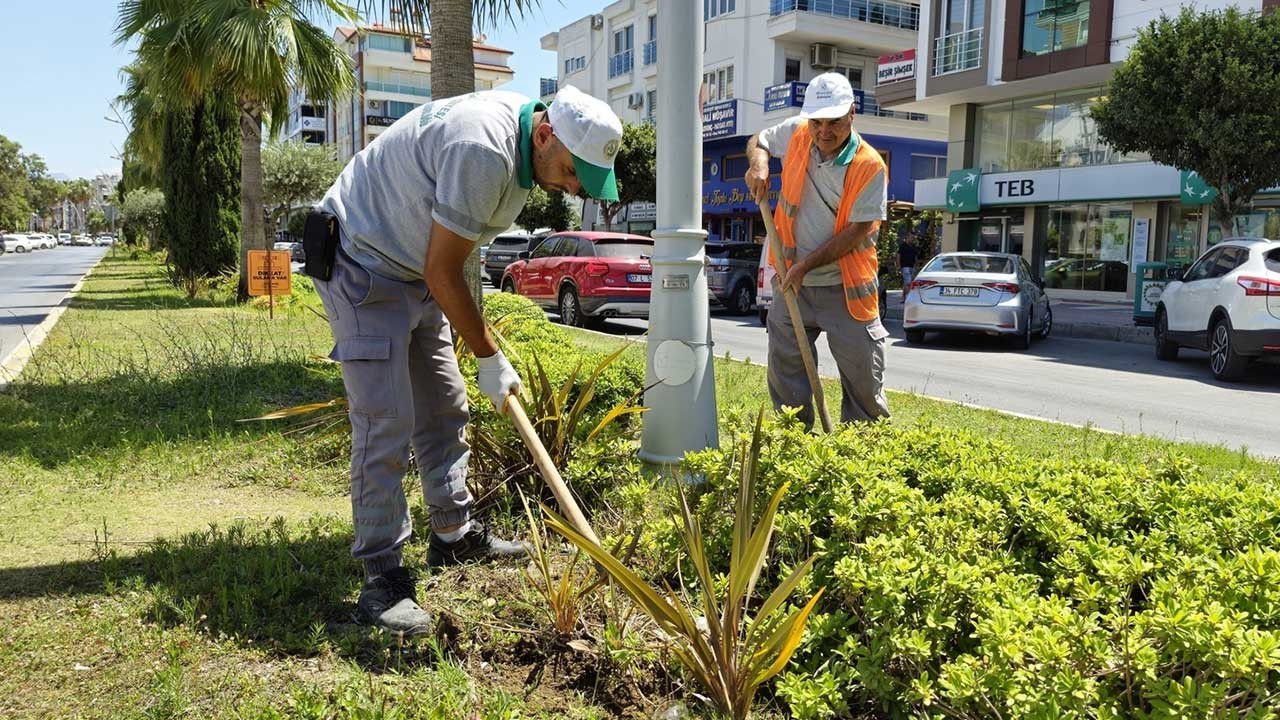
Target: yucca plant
(738, 651)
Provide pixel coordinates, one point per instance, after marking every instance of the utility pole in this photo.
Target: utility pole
(682, 394)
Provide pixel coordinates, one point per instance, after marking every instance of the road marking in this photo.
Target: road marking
(11, 366)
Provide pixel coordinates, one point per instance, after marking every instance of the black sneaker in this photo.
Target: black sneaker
(477, 544)
(387, 601)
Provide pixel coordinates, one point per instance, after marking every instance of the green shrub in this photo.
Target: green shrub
(966, 580)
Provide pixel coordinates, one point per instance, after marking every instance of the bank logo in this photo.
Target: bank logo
(962, 190)
(1195, 191)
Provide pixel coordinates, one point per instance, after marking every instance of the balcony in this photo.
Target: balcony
(890, 13)
(957, 52)
(621, 63)
(651, 52)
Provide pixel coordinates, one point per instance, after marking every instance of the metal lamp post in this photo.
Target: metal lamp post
(682, 396)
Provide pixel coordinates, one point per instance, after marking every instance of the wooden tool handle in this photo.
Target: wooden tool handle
(568, 505)
(797, 323)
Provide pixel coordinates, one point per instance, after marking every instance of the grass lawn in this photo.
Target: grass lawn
(162, 559)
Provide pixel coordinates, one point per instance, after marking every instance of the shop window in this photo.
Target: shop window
(924, 167)
(792, 71)
(1044, 132)
(735, 167)
(1087, 247)
(1257, 222)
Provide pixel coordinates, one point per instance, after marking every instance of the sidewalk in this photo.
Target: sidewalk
(1073, 318)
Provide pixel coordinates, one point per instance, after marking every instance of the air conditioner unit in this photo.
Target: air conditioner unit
(635, 100)
(375, 104)
(822, 55)
(597, 22)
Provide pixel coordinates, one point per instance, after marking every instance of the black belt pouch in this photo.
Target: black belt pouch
(320, 243)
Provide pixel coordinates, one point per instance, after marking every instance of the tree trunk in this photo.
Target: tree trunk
(253, 234)
(453, 72)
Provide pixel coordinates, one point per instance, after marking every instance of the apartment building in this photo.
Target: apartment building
(758, 56)
(1029, 172)
(308, 120)
(393, 76)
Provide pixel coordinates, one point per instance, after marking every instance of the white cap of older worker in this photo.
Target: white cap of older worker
(828, 96)
(592, 134)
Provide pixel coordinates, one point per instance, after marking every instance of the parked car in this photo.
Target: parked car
(83, 240)
(17, 243)
(764, 287)
(104, 240)
(506, 249)
(586, 276)
(731, 274)
(991, 293)
(1227, 303)
(64, 238)
(43, 241)
(297, 253)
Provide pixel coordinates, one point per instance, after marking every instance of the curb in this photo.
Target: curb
(1082, 331)
(12, 364)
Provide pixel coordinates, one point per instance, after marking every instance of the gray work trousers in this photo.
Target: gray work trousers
(858, 348)
(403, 388)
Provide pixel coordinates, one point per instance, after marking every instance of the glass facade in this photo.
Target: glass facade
(1052, 25)
(1258, 222)
(1087, 246)
(1044, 132)
(390, 43)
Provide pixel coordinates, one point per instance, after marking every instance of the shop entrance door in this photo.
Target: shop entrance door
(994, 235)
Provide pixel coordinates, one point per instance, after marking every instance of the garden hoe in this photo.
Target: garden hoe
(568, 505)
(793, 309)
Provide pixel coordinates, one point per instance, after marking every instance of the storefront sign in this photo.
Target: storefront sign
(784, 95)
(720, 120)
(858, 98)
(896, 67)
(1141, 236)
(1195, 191)
(962, 190)
(312, 123)
(379, 120)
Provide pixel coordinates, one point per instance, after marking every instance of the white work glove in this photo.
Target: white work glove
(497, 379)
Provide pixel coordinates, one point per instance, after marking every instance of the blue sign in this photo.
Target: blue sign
(858, 96)
(720, 120)
(784, 95)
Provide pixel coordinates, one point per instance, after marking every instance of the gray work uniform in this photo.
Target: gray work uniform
(858, 347)
(466, 163)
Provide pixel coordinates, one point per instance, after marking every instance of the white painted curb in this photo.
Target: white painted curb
(11, 366)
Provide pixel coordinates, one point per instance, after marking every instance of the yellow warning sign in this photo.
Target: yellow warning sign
(269, 272)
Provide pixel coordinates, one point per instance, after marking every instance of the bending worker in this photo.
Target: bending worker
(390, 239)
(833, 199)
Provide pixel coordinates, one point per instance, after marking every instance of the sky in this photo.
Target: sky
(58, 98)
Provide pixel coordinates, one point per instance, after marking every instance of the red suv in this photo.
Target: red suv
(586, 276)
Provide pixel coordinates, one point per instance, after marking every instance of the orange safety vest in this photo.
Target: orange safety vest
(860, 267)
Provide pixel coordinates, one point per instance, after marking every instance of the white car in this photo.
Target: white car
(104, 240)
(64, 238)
(1227, 303)
(16, 243)
(764, 287)
(42, 241)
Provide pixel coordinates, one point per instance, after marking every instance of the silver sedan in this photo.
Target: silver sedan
(991, 293)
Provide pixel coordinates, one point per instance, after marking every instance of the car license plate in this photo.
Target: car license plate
(959, 292)
(636, 278)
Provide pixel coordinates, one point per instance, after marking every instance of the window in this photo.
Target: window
(970, 263)
(1052, 25)
(1048, 131)
(575, 64)
(651, 114)
(854, 75)
(1086, 246)
(1202, 269)
(719, 84)
(391, 43)
(584, 248)
(630, 248)
(549, 248)
(620, 62)
(735, 167)
(653, 27)
(924, 167)
(397, 109)
(651, 47)
(962, 15)
(716, 8)
(622, 39)
(792, 71)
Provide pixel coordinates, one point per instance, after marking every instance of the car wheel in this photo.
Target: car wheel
(742, 299)
(570, 308)
(764, 316)
(1166, 349)
(20, 249)
(1046, 323)
(1022, 340)
(508, 286)
(915, 337)
(1223, 360)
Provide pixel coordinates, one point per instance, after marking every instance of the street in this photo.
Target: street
(1110, 385)
(32, 284)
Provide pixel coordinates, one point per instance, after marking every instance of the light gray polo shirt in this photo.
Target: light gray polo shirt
(820, 199)
(464, 162)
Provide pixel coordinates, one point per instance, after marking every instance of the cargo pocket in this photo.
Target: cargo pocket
(876, 330)
(367, 374)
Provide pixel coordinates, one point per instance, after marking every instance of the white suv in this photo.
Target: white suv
(1227, 303)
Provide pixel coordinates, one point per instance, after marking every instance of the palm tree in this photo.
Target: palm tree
(251, 50)
(453, 70)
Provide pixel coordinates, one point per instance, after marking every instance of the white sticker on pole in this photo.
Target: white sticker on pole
(674, 362)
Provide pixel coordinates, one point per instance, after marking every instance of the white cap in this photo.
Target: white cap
(828, 96)
(593, 134)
